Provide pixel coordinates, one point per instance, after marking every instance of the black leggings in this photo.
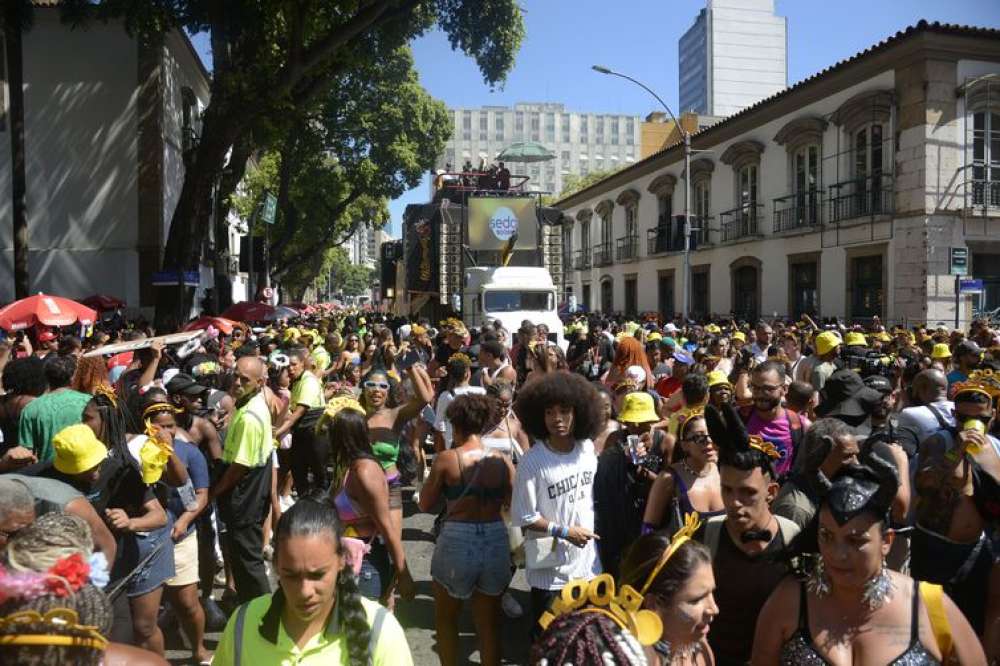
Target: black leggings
(308, 458)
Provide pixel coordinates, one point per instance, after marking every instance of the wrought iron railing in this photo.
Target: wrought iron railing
(627, 248)
(581, 259)
(602, 254)
(983, 194)
(798, 211)
(863, 197)
(739, 223)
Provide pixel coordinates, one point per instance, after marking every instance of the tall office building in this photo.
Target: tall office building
(733, 56)
(582, 142)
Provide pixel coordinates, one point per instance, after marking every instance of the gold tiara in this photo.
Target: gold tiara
(765, 447)
(624, 606)
(107, 392)
(682, 536)
(460, 357)
(58, 619)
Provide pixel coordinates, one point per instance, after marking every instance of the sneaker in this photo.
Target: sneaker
(511, 608)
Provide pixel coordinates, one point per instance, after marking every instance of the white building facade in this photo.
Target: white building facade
(733, 56)
(840, 197)
(108, 125)
(582, 142)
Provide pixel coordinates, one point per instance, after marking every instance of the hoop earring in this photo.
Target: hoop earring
(878, 588)
(818, 583)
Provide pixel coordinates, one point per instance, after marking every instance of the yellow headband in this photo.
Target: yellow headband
(599, 596)
(159, 407)
(335, 405)
(57, 618)
(765, 447)
(683, 535)
(107, 392)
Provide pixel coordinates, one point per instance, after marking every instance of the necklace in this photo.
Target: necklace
(698, 475)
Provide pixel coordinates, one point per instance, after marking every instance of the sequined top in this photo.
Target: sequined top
(799, 651)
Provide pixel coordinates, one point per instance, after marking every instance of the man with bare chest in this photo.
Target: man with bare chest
(957, 496)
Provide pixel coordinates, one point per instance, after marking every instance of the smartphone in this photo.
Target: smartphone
(633, 448)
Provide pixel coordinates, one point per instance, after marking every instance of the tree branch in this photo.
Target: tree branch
(326, 241)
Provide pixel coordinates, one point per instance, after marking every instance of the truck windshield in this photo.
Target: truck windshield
(510, 301)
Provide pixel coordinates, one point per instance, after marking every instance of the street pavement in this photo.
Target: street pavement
(417, 616)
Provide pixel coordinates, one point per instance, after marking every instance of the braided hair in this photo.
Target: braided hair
(113, 422)
(47, 540)
(310, 516)
(585, 637)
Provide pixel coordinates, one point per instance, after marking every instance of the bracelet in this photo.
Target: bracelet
(553, 529)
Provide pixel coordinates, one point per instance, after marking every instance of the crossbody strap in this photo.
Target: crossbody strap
(241, 616)
(933, 599)
(376, 631)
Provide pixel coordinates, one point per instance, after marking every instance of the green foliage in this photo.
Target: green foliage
(369, 140)
(574, 183)
(347, 278)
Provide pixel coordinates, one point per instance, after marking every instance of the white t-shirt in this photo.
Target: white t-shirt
(558, 487)
(441, 423)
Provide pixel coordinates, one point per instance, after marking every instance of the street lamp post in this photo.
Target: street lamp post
(685, 299)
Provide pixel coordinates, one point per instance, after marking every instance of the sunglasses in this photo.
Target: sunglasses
(700, 440)
(377, 385)
(352, 339)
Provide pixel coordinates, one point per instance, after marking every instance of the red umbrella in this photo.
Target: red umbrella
(44, 309)
(248, 311)
(100, 302)
(221, 324)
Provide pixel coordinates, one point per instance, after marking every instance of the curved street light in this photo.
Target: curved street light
(687, 183)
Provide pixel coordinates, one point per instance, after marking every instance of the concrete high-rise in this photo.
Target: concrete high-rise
(733, 56)
(581, 142)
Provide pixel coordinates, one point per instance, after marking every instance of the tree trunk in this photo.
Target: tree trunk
(15, 72)
(192, 216)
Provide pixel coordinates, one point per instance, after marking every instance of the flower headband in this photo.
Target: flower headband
(62, 579)
(980, 381)
(336, 405)
(599, 596)
(682, 536)
(107, 392)
(460, 357)
(765, 447)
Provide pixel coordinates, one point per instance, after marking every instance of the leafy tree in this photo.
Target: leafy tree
(373, 137)
(272, 58)
(350, 279)
(574, 183)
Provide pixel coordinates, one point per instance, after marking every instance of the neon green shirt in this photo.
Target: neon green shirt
(248, 440)
(264, 640)
(308, 391)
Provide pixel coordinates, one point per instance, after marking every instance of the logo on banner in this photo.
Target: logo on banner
(504, 223)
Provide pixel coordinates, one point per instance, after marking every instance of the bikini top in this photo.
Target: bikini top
(471, 488)
(685, 501)
(799, 651)
(347, 510)
(385, 445)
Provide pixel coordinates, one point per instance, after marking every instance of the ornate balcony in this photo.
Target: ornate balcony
(627, 248)
(603, 255)
(863, 197)
(740, 223)
(801, 210)
(581, 259)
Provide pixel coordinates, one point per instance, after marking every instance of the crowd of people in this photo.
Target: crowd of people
(717, 493)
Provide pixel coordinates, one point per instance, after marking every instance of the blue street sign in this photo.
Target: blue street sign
(171, 278)
(970, 286)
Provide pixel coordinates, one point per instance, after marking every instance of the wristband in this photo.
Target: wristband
(565, 533)
(553, 529)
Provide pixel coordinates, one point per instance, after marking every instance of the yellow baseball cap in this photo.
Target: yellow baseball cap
(638, 408)
(855, 339)
(826, 342)
(941, 350)
(77, 449)
(713, 328)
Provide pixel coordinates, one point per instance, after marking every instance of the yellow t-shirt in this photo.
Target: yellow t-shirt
(328, 648)
(308, 391)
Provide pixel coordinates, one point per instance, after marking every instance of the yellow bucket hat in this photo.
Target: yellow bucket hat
(713, 328)
(826, 342)
(941, 350)
(77, 449)
(638, 408)
(855, 339)
(718, 378)
(740, 335)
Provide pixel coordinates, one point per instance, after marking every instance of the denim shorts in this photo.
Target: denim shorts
(133, 548)
(376, 571)
(472, 557)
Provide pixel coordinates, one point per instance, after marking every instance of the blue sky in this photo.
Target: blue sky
(639, 37)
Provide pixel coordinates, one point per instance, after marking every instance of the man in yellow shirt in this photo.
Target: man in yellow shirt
(243, 492)
(309, 453)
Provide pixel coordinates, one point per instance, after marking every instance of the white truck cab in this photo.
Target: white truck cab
(510, 295)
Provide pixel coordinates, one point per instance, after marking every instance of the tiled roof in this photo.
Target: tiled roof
(920, 27)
